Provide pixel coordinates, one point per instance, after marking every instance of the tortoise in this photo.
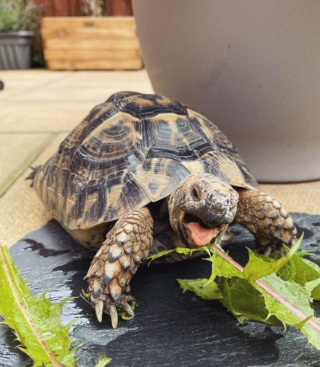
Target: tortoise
(141, 167)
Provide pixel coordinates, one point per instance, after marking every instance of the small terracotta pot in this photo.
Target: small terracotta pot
(250, 66)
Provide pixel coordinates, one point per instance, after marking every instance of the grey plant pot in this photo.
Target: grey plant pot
(15, 50)
(250, 66)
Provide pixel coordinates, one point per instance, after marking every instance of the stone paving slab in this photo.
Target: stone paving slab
(129, 80)
(77, 86)
(21, 81)
(17, 151)
(21, 211)
(297, 197)
(35, 117)
(72, 94)
(47, 101)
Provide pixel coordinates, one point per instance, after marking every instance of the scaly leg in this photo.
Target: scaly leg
(265, 217)
(125, 248)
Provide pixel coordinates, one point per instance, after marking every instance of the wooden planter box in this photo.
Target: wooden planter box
(83, 43)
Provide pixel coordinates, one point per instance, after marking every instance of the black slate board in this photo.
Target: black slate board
(170, 328)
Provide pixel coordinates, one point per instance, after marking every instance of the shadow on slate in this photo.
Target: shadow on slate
(170, 328)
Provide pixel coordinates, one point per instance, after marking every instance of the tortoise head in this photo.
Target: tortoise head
(201, 208)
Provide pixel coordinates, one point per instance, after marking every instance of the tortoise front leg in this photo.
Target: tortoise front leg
(125, 248)
(265, 217)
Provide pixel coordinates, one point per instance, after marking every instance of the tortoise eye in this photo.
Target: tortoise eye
(195, 193)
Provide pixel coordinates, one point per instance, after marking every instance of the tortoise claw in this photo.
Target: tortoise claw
(111, 306)
(267, 251)
(129, 298)
(114, 316)
(99, 310)
(270, 248)
(127, 308)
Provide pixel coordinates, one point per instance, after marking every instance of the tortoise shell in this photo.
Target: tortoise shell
(129, 151)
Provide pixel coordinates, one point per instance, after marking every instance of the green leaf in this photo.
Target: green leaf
(85, 294)
(276, 254)
(301, 271)
(179, 250)
(102, 361)
(34, 320)
(159, 254)
(244, 301)
(295, 309)
(258, 268)
(124, 314)
(312, 265)
(201, 288)
(222, 268)
(258, 293)
(266, 290)
(190, 251)
(303, 322)
(313, 287)
(302, 253)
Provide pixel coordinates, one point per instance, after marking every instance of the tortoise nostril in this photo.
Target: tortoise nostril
(217, 208)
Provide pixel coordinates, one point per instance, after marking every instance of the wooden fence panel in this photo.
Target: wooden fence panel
(62, 8)
(55, 8)
(118, 7)
(75, 7)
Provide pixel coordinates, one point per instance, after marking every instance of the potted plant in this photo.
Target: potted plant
(18, 21)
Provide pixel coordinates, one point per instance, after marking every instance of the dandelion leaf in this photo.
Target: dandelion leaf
(258, 268)
(201, 288)
(34, 320)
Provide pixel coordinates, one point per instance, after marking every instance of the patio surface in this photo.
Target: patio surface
(38, 109)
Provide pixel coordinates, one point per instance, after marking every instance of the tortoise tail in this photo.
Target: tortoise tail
(33, 174)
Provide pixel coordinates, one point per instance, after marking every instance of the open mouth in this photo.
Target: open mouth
(198, 232)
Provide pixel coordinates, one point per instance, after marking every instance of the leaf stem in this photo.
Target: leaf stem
(301, 315)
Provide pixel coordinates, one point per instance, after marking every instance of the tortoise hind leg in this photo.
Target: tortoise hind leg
(265, 217)
(33, 174)
(126, 246)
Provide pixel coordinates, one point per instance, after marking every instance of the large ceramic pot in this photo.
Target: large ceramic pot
(250, 66)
